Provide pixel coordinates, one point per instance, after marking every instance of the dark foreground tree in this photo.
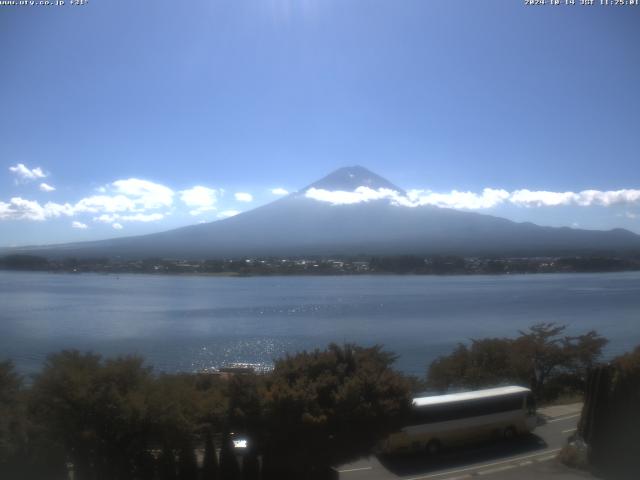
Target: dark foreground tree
(114, 420)
(96, 409)
(624, 407)
(329, 406)
(145, 466)
(251, 466)
(610, 420)
(13, 434)
(229, 467)
(210, 469)
(167, 465)
(187, 463)
(27, 451)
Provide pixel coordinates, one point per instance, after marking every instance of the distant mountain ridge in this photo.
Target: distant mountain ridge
(296, 225)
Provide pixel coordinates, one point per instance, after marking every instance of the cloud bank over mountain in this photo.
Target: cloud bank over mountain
(352, 211)
(140, 201)
(488, 198)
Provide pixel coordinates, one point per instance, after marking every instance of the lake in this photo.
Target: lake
(182, 323)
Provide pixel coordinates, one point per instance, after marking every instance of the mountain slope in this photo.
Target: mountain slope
(297, 226)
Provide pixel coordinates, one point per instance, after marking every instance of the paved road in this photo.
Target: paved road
(526, 457)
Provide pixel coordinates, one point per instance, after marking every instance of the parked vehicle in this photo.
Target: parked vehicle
(452, 419)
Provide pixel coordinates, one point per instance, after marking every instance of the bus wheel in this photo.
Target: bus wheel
(509, 433)
(433, 447)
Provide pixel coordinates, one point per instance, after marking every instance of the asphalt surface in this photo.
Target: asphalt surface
(531, 456)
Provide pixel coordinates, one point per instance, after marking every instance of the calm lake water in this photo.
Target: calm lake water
(190, 323)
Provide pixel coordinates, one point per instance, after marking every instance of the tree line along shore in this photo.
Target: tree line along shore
(115, 418)
(404, 264)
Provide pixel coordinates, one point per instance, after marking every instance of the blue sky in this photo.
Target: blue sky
(126, 107)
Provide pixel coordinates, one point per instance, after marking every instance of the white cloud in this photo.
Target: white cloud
(279, 191)
(130, 201)
(243, 197)
(488, 198)
(5, 210)
(45, 187)
(360, 194)
(542, 198)
(142, 217)
(145, 194)
(585, 198)
(616, 197)
(228, 213)
(106, 218)
(22, 209)
(105, 203)
(26, 173)
(131, 195)
(117, 226)
(200, 199)
(79, 225)
(137, 217)
(57, 209)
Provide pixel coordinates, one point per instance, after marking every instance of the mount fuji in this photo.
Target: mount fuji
(302, 224)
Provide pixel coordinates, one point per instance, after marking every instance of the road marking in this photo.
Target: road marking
(546, 458)
(347, 470)
(569, 417)
(569, 430)
(496, 470)
(478, 467)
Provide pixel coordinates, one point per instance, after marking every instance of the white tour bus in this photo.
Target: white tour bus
(456, 418)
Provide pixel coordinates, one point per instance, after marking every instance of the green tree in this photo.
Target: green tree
(174, 410)
(485, 362)
(584, 352)
(541, 353)
(538, 353)
(329, 406)
(13, 435)
(449, 371)
(63, 401)
(490, 362)
(26, 451)
(540, 357)
(97, 410)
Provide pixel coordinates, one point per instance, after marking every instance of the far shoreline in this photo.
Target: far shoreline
(236, 275)
(434, 265)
